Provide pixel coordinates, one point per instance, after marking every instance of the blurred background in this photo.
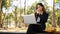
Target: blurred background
(12, 11)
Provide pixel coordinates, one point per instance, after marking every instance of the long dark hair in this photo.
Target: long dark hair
(41, 6)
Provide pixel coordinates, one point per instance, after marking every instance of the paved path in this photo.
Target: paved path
(23, 33)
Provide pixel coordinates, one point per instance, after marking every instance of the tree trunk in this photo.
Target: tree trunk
(15, 17)
(0, 14)
(25, 7)
(53, 17)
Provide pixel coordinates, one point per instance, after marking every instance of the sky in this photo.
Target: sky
(19, 3)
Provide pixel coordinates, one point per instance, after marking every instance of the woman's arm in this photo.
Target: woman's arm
(43, 18)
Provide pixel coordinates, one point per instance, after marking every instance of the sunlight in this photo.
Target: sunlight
(20, 3)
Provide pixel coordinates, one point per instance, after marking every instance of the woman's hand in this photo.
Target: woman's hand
(38, 10)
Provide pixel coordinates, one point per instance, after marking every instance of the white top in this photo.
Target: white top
(38, 19)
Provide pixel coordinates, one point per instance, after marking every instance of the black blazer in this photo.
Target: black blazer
(43, 17)
(38, 28)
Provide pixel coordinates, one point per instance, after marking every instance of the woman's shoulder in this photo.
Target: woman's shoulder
(46, 13)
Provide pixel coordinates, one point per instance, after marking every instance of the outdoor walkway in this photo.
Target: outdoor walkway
(21, 31)
(24, 33)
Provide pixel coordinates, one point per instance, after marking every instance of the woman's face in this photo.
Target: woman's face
(39, 8)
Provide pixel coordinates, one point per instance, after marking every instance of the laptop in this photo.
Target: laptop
(29, 19)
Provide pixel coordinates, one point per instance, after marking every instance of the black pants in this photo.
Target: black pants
(33, 29)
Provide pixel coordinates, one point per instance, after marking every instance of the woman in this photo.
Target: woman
(41, 18)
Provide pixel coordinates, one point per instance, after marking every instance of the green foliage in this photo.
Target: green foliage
(6, 3)
(57, 13)
(57, 1)
(57, 17)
